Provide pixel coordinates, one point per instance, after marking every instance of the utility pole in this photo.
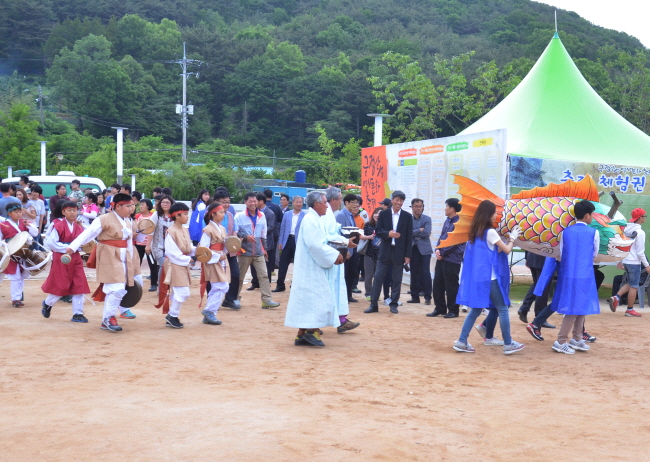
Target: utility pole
(184, 109)
(40, 108)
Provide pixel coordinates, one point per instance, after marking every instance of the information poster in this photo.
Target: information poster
(423, 169)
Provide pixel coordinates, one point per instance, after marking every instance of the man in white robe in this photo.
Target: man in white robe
(315, 296)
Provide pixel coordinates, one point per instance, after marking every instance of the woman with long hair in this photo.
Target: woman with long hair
(163, 223)
(29, 212)
(101, 205)
(485, 280)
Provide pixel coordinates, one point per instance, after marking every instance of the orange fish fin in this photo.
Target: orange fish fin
(583, 189)
(472, 194)
(600, 218)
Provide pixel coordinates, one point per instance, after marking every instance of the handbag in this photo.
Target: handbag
(362, 247)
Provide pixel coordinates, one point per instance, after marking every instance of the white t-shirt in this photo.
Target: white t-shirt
(492, 238)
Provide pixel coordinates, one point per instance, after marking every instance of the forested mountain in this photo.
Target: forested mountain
(276, 69)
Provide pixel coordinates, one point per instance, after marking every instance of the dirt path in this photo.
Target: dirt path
(391, 390)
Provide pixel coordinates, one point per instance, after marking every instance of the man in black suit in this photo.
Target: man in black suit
(395, 228)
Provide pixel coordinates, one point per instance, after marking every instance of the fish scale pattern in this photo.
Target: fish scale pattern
(541, 219)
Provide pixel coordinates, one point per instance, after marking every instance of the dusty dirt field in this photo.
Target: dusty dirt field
(391, 390)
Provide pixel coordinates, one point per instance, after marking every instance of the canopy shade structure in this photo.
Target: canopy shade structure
(555, 114)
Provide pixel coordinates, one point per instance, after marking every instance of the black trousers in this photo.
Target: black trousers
(233, 288)
(270, 267)
(153, 267)
(286, 257)
(445, 282)
(541, 301)
(381, 271)
(351, 268)
(420, 274)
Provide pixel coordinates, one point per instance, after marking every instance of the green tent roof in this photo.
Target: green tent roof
(555, 114)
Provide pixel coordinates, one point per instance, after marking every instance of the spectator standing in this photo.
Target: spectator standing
(287, 244)
(269, 247)
(39, 206)
(395, 228)
(372, 253)
(251, 224)
(60, 195)
(231, 299)
(76, 194)
(422, 250)
(346, 218)
(115, 188)
(285, 203)
(447, 269)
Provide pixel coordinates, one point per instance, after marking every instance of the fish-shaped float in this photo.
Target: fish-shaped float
(543, 213)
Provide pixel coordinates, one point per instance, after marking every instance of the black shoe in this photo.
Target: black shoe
(313, 338)
(434, 314)
(362, 279)
(232, 304)
(46, 310)
(352, 300)
(153, 288)
(253, 287)
(534, 331)
(174, 322)
(372, 309)
(523, 316)
(413, 300)
(427, 302)
(393, 309)
(300, 341)
(548, 325)
(588, 338)
(450, 315)
(79, 318)
(279, 289)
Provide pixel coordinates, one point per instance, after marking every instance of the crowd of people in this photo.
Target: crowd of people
(328, 267)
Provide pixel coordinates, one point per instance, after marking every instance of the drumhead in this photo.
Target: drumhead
(133, 295)
(233, 244)
(17, 242)
(88, 246)
(4, 262)
(203, 254)
(145, 226)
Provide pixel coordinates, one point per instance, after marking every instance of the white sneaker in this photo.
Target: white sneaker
(486, 311)
(463, 309)
(481, 330)
(493, 341)
(563, 348)
(387, 301)
(463, 347)
(399, 303)
(579, 346)
(513, 348)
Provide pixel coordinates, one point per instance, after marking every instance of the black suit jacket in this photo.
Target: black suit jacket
(275, 208)
(395, 254)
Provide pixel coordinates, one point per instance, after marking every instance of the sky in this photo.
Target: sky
(629, 16)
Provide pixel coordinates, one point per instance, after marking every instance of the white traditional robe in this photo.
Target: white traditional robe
(334, 234)
(316, 289)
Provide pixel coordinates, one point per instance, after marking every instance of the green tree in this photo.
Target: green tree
(99, 90)
(18, 138)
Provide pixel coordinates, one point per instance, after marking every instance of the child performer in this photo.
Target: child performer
(117, 264)
(216, 271)
(69, 279)
(485, 281)
(176, 269)
(575, 293)
(8, 229)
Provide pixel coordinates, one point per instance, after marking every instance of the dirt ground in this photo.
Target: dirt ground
(391, 390)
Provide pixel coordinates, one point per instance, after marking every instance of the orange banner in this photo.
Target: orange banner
(374, 177)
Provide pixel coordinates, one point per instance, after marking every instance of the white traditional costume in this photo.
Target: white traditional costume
(316, 293)
(337, 276)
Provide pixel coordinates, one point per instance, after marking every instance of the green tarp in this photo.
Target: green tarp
(555, 114)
